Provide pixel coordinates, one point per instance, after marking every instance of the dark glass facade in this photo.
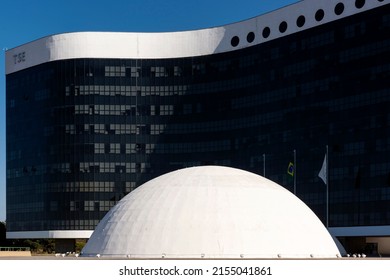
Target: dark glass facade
(83, 133)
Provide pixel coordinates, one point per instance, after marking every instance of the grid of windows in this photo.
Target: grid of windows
(108, 125)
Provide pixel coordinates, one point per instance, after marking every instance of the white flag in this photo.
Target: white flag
(323, 172)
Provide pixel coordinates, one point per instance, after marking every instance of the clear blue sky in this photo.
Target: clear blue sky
(26, 20)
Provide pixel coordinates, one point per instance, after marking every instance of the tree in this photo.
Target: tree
(80, 243)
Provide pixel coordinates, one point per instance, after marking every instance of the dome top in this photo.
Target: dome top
(211, 212)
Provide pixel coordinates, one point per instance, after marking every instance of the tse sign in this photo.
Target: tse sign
(20, 57)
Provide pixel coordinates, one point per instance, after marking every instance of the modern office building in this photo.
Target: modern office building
(93, 115)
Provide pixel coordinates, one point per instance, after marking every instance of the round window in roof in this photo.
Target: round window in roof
(301, 21)
(319, 15)
(283, 27)
(250, 37)
(339, 9)
(235, 41)
(359, 3)
(266, 32)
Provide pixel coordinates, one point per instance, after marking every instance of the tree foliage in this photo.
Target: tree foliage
(80, 245)
(38, 246)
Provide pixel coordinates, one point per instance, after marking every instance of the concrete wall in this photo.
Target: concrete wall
(15, 253)
(383, 244)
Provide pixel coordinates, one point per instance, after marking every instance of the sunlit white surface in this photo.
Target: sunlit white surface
(211, 212)
(133, 45)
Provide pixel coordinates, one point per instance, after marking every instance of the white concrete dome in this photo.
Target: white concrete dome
(211, 212)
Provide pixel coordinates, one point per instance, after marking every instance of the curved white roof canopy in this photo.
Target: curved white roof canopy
(211, 212)
(127, 45)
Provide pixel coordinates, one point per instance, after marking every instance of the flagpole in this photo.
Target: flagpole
(327, 186)
(295, 172)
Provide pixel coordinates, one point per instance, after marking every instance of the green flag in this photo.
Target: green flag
(290, 169)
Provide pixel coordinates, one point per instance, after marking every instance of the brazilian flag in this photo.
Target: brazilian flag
(290, 169)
